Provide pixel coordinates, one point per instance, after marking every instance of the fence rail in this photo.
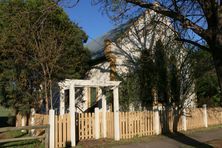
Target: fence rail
(46, 136)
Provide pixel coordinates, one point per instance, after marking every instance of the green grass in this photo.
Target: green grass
(104, 143)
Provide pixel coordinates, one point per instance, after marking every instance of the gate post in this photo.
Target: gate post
(97, 132)
(51, 128)
(32, 120)
(156, 121)
(205, 115)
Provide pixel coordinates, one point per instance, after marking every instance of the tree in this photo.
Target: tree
(41, 47)
(161, 63)
(203, 18)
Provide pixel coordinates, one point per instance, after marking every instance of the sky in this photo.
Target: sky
(90, 19)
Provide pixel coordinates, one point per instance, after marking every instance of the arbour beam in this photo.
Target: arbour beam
(71, 84)
(88, 83)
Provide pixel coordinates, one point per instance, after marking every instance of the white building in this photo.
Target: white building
(118, 51)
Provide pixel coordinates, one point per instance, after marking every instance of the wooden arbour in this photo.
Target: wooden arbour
(72, 84)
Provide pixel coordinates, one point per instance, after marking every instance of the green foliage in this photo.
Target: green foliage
(207, 87)
(155, 74)
(39, 45)
(147, 78)
(129, 91)
(4, 112)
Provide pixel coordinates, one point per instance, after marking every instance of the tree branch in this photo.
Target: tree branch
(185, 22)
(194, 43)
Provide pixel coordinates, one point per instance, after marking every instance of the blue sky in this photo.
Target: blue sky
(90, 19)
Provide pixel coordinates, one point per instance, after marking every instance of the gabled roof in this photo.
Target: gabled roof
(96, 47)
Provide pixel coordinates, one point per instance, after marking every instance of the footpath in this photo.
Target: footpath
(201, 139)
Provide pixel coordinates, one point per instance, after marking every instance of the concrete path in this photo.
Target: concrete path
(201, 139)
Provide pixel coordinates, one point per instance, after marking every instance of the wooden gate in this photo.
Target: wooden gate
(62, 130)
(85, 126)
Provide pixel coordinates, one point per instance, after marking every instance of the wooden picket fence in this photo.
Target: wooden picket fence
(136, 124)
(194, 118)
(110, 124)
(132, 124)
(41, 119)
(214, 116)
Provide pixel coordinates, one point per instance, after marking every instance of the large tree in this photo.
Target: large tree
(199, 20)
(39, 46)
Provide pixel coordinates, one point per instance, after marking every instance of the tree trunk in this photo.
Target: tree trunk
(217, 58)
(46, 97)
(176, 117)
(216, 46)
(50, 91)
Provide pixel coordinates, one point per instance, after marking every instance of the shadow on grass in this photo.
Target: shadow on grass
(20, 144)
(180, 137)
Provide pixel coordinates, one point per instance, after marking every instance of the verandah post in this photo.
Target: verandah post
(62, 102)
(116, 113)
(97, 132)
